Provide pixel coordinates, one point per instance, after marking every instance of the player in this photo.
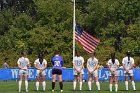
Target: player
(113, 65)
(23, 63)
(92, 64)
(78, 65)
(57, 63)
(128, 63)
(40, 64)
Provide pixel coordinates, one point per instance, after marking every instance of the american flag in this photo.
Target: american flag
(88, 42)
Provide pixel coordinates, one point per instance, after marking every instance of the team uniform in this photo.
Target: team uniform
(23, 62)
(57, 62)
(40, 66)
(78, 61)
(113, 67)
(40, 74)
(128, 63)
(91, 64)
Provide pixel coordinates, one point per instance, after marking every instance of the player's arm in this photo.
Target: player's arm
(45, 65)
(74, 66)
(131, 65)
(88, 67)
(117, 65)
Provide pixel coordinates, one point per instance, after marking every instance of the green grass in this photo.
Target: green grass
(12, 87)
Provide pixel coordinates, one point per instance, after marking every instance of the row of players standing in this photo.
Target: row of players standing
(113, 64)
(40, 64)
(78, 64)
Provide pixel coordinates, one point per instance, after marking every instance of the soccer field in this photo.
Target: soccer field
(12, 87)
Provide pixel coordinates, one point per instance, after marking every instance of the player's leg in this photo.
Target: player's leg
(37, 79)
(75, 79)
(126, 81)
(75, 82)
(90, 81)
(43, 82)
(116, 83)
(96, 79)
(53, 81)
(110, 82)
(133, 83)
(20, 82)
(26, 82)
(97, 82)
(60, 82)
(80, 80)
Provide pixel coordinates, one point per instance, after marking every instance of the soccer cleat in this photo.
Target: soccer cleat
(52, 90)
(61, 90)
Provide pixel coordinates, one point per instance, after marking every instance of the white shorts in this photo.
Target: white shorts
(76, 73)
(94, 74)
(116, 73)
(23, 72)
(130, 73)
(43, 73)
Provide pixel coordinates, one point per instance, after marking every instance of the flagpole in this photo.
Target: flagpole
(73, 29)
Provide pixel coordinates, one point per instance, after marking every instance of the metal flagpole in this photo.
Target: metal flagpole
(73, 29)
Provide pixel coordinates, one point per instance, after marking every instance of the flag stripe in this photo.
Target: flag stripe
(88, 42)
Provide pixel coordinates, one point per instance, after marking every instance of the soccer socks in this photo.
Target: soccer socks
(26, 85)
(19, 86)
(126, 85)
(80, 85)
(133, 84)
(110, 87)
(61, 85)
(44, 85)
(74, 85)
(53, 85)
(116, 87)
(37, 86)
(89, 85)
(98, 85)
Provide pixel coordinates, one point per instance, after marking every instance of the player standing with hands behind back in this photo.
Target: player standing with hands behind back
(40, 64)
(57, 63)
(128, 63)
(78, 65)
(23, 63)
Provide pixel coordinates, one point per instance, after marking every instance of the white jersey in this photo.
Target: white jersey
(78, 61)
(128, 63)
(23, 62)
(113, 66)
(91, 63)
(39, 65)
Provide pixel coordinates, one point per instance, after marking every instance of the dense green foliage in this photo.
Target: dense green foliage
(46, 26)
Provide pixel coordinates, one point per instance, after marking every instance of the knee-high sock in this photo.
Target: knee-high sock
(44, 85)
(110, 87)
(133, 85)
(37, 85)
(26, 85)
(19, 85)
(53, 85)
(80, 85)
(116, 87)
(61, 85)
(126, 85)
(98, 85)
(74, 85)
(89, 85)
